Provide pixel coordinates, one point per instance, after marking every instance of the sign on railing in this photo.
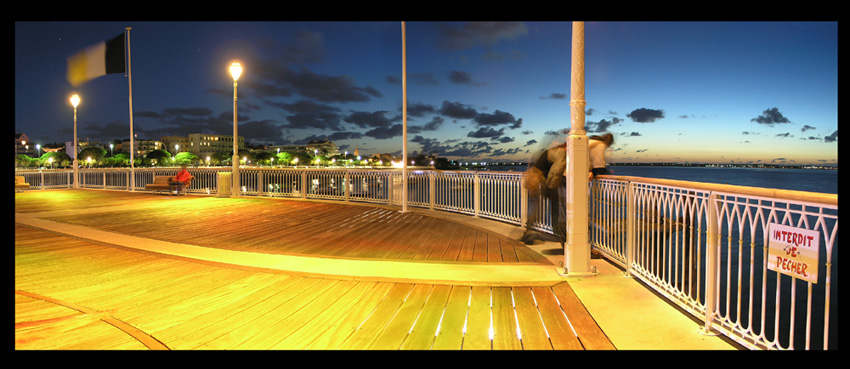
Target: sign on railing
(794, 251)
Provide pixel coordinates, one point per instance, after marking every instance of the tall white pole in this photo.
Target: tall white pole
(235, 187)
(132, 139)
(577, 250)
(76, 151)
(404, 116)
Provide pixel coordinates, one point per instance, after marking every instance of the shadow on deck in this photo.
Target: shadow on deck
(118, 270)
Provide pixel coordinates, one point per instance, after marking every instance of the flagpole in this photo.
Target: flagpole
(404, 117)
(132, 141)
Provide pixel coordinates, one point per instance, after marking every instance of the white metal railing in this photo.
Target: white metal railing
(702, 246)
(705, 248)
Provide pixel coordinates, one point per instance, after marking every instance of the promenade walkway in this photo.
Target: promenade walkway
(101, 269)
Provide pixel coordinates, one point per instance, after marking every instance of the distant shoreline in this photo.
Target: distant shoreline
(661, 164)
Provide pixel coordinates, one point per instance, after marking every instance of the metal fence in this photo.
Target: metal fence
(703, 247)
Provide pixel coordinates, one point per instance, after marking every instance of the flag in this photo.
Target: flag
(97, 60)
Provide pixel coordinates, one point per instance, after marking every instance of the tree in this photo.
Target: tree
(159, 156)
(93, 152)
(186, 158)
(264, 157)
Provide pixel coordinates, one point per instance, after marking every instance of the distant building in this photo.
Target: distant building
(322, 147)
(142, 147)
(23, 145)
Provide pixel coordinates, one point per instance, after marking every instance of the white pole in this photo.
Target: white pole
(132, 140)
(235, 181)
(404, 117)
(76, 151)
(577, 250)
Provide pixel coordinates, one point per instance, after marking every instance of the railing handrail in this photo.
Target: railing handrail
(794, 195)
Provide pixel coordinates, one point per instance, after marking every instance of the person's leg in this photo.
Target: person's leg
(530, 235)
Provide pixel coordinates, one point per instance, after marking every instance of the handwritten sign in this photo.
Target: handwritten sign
(793, 251)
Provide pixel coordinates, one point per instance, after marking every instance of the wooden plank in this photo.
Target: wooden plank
(422, 336)
(450, 242)
(396, 247)
(271, 326)
(197, 330)
(591, 336)
(480, 251)
(504, 320)
(437, 247)
(257, 317)
(467, 249)
(339, 330)
(561, 335)
(533, 333)
(393, 335)
(509, 254)
(478, 325)
(317, 306)
(451, 334)
(374, 324)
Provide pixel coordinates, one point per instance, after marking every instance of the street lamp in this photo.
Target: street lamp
(75, 100)
(235, 71)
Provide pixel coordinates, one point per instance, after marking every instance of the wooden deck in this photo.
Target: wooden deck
(76, 293)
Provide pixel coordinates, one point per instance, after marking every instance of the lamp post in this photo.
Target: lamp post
(235, 71)
(75, 100)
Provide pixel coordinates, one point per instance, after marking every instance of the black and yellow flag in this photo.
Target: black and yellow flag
(103, 58)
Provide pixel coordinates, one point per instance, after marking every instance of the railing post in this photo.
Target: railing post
(432, 188)
(42, 178)
(476, 194)
(523, 203)
(346, 184)
(631, 219)
(712, 246)
(304, 184)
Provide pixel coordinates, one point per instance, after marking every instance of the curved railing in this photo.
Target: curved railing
(702, 246)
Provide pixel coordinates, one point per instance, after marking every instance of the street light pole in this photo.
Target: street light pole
(75, 100)
(235, 71)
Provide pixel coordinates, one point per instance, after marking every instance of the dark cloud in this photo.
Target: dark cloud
(309, 114)
(644, 115)
(461, 78)
(602, 125)
(498, 118)
(467, 35)
(486, 132)
(453, 148)
(832, 137)
(373, 119)
(770, 117)
(555, 96)
(806, 128)
(457, 110)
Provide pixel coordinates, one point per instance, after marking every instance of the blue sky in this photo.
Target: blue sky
(760, 92)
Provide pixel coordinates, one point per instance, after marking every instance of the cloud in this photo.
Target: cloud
(832, 137)
(457, 110)
(486, 132)
(373, 119)
(498, 118)
(770, 117)
(644, 115)
(471, 34)
(309, 114)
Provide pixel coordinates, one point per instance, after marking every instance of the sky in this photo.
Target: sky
(685, 92)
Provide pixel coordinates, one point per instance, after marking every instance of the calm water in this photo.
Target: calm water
(812, 180)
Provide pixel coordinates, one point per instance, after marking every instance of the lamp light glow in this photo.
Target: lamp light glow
(235, 71)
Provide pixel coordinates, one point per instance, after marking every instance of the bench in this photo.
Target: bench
(20, 183)
(163, 184)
